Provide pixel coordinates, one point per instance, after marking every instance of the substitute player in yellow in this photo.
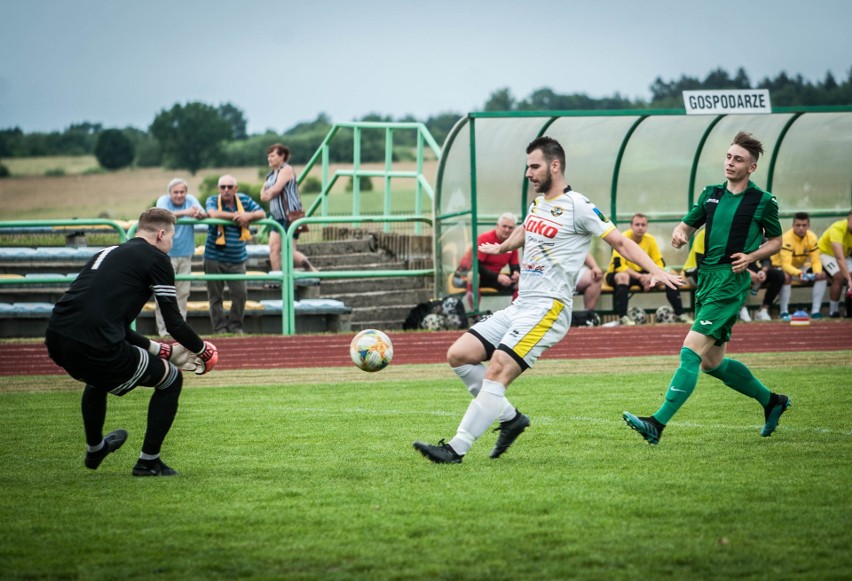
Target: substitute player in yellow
(737, 215)
(835, 246)
(799, 258)
(622, 273)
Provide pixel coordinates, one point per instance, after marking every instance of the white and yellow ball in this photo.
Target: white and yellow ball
(371, 350)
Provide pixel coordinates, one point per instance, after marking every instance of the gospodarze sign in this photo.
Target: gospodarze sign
(727, 102)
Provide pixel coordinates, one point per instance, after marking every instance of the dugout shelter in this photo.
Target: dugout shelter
(651, 161)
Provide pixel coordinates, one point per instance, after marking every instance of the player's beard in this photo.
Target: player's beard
(544, 185)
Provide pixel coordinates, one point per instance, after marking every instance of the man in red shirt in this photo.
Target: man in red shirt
(492, 265)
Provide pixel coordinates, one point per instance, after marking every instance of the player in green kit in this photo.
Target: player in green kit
(738, 215)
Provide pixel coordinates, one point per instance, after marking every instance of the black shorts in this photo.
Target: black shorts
(118, 369)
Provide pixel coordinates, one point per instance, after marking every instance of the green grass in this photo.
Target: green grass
(307, 474)
(39, 166)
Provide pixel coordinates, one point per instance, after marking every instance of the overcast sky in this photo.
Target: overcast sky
(119, 63)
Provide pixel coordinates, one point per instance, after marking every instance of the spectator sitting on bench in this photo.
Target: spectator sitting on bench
(622, 274)
(763, 275)
(491, 265)
(799, 258)
(835, 244)
(589, 281)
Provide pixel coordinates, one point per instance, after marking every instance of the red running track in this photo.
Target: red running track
(270, 352)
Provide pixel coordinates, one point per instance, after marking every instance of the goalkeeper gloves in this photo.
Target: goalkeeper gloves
(161, 350)
(184, 359)
(206, 360)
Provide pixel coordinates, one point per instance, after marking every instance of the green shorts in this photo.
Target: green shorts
(720, 295)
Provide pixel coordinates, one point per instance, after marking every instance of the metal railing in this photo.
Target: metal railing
(286, 278)
(423, 140)
(290, 275)
(55, 227)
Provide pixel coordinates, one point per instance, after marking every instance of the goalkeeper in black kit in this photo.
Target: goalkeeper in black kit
(89, 335)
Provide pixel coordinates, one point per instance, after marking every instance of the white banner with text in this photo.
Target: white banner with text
(727, 102)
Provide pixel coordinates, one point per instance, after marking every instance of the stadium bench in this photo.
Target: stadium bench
(29, 319)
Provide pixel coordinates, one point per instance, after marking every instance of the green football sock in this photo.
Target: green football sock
(738, 377)
(681, 386)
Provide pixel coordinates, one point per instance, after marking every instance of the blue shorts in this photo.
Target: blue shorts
(285, 224)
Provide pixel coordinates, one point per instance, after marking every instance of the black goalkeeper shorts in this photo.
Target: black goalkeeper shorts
(117, 369)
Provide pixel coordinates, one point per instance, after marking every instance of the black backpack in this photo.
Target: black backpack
(436, 315)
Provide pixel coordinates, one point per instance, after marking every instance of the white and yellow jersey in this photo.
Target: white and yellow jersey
(557, 239)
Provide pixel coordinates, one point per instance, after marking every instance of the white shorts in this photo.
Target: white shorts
(829, 264)
(525, 329)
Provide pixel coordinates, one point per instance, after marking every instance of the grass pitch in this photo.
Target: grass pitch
(310, 474)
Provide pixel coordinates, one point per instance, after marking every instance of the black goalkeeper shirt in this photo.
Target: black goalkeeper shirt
(110, 291)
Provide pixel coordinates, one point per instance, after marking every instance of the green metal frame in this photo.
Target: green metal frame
(424, 139)
(289, 275)
(548, 118)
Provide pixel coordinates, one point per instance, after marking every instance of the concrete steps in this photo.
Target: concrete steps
(381, 303)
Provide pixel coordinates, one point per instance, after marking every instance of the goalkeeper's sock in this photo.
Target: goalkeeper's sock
(94, 405)
(162, 409)
(738, 377)
(481, 413)
(681, 386)
(472, 376)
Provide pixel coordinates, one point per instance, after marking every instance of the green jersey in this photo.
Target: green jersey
(734, 222)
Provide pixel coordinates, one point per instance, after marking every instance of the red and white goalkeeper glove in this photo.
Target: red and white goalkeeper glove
(206, 360)
(175, 353)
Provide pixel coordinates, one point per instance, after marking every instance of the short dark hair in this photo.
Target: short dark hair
(281, 150)
(750, 143)
(154, 219)
(801, 216)
(551, 150)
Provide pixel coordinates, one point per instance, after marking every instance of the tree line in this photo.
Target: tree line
(195, 135)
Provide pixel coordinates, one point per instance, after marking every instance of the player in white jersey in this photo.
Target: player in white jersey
(556, 236)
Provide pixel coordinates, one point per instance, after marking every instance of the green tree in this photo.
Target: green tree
(11, 142)
(191, 135)
(500, 100)
(78, 139)
(235, 117)
(114, 149)
(440, 125)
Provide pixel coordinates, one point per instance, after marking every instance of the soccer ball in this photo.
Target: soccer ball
(371, 350)
(665, 314)
(637, 315)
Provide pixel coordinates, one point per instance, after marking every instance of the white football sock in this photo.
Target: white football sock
(480, 414)
(472, 376)
(816, 295)
(784, 298)
(833, 306)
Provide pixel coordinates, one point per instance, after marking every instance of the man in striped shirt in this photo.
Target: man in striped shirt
(225, 252)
